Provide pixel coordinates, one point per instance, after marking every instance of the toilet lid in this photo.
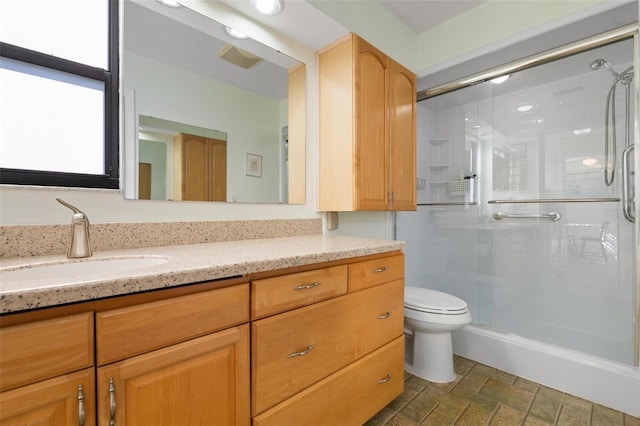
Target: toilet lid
(433, 301)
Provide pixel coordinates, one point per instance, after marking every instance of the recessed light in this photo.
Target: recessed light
(500, 80)
(590, 161)
(235, 33)
(525, 108)
(268, 7)
(170, 3)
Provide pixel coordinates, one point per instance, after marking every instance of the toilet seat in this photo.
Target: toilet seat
(433, 302)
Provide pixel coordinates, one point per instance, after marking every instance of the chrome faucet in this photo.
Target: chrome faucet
(80, 244)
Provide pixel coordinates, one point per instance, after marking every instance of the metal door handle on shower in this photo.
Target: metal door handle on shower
(627, 199)
(552, 216)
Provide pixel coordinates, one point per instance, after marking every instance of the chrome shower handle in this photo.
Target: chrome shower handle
(626, 199)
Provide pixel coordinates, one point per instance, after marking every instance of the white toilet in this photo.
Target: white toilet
(429, 318)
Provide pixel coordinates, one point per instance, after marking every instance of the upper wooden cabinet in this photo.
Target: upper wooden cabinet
(367, 129)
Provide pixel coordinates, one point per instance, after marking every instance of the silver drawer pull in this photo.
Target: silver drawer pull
(81, 413)
(385, 380)
(307, 286)
(384, 316)
(303, 353)
(112, 402)
(383, 269)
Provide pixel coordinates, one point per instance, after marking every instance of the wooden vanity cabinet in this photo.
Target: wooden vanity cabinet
(204, 381)
(367, 129)
(305, 357)
(46, 372)
(175, 356)
(183, 360)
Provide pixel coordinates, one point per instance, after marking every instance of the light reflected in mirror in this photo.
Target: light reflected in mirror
(200, 123)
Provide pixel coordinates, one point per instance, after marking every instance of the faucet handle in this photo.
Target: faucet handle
(80, 242)
(73, 208)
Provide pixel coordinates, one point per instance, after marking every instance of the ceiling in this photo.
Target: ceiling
(421, 15)
(315, 23)
(185, 39)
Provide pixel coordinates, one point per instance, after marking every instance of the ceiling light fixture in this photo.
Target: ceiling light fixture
(500, 80)
(235, 33)
(525, 108)
(268, 7)
(170, 3)
(584, 131)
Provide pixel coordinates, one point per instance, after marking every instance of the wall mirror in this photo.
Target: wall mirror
(208, 117)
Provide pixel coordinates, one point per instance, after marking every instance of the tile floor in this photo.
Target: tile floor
(482, 395)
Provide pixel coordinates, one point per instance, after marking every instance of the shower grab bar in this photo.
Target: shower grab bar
(627, 200)
(556, 200)
(552, 216)
(447, 204)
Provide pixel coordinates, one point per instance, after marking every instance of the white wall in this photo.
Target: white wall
(34, 206)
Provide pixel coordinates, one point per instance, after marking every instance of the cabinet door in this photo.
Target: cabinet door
(217, 170)
(371, 79)
(195, 168)
(201, 168)
(204, 381)
(63, 400)
(402, 139)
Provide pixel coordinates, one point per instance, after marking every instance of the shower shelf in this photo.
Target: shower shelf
(438, 166)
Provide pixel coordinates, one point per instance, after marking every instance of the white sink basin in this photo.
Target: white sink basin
(79, 269)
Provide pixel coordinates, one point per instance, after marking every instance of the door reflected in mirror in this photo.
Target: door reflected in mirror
(201, 101)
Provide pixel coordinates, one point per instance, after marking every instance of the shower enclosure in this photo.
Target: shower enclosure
(526, 200)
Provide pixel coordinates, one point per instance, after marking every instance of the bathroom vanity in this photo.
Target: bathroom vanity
(305, 328)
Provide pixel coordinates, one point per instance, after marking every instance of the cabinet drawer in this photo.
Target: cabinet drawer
(374, 272)
(293, 350)
(349, 397)
(121, 333)
(273, 295)
(45, 349)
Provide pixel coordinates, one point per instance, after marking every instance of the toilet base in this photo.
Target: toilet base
(435, 356)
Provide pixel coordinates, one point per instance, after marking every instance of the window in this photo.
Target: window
(59, 85)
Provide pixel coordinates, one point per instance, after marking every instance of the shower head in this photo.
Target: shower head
(598, 63)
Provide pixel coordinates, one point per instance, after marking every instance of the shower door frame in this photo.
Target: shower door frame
(624, 32)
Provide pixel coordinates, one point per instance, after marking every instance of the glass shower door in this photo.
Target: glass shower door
(562, 254)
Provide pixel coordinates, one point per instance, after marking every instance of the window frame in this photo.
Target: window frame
(110, 78)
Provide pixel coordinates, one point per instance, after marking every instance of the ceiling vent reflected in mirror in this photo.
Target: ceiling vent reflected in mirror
(238, 57)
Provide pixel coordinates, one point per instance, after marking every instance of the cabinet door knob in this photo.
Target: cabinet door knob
(112, 402)
(385, 315)
(302, 353)
(307, 286)
(81, 413)
(386, 379)
(383, 269)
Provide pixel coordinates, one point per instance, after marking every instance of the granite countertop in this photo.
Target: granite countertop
(184, 264)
